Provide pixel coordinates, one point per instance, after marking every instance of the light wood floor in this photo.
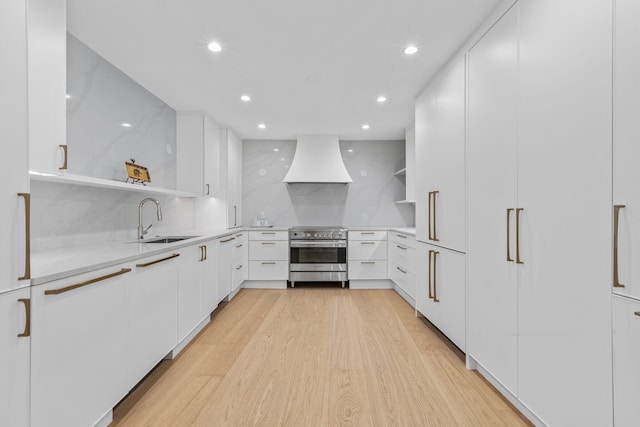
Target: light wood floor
(316, 357)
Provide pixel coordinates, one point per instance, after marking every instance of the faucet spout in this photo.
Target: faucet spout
(141, 230)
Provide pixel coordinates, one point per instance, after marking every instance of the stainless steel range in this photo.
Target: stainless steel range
(317, 254)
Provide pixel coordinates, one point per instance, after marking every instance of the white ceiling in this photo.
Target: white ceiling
(310, 66)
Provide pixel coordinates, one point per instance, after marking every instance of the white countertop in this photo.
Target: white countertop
(55, 264)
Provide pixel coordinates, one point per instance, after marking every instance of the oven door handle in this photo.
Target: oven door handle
(307, 244)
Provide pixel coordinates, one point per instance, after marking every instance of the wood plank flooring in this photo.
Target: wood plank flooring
(316, 357)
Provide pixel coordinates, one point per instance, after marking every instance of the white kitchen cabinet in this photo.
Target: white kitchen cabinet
(234, 179)
(209, 278)
(14, 213)
(367, 258)
(402, 264)
(15, 343)
(198, 157)
(189, 290)
(626, 361)
(78, 356)
(268, 258)
(440, 290)
(225, 264)
(240, 261)
(47, 74)
(539, 195)
(626, 175)
(440, 152)
(152, 313)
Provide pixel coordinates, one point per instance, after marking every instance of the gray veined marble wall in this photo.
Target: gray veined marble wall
(368, 201)
(100, 99)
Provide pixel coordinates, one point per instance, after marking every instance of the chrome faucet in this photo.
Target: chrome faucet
(141, 230)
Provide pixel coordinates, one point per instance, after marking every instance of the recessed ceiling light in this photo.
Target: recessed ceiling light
(365, 126)
(67, 96)
(350, 150)
(126, 125)
(382, 99)
(262, 126)
(245, 98)
(410, 50)
(214, 47)
(276, 149)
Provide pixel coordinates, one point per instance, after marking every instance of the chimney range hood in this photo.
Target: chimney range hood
(317, 160)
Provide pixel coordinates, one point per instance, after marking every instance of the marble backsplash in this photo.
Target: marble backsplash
(64, 215)
(111, 118)
(368, 201)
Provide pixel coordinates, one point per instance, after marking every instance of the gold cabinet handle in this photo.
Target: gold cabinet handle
(402, 270)
(435, 277)
(435, 215)
(267, 233)
(205, 252)
(637, 313)
(88, 282)
(401, 236)
(64, 162)
(616, 221)
(429, 275)
(509, 259)
(208, 189)
(147, 264)
(228, 240)
(367, 232)
(367, 243)
(201, 253)
(429, 220)
(27, 323)
(235, 215)
(267, 243)
(367, 262)
(268, 263)
(401, 247)
(240, 245)
(27, 237)
(518, 260)
(239, 267)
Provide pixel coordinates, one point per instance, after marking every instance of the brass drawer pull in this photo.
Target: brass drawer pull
(27, 237)
(208, 189)
(429, 223)
(269, 233)
(518, 260)
(616, 219)
(27, 323)
(239, 267)
(268, 263)
(435, 210)
(88, 282)
(239, 246)
(402, 270)
(205, 252)
(268, 243)
(64, 162)
(637, 313)
(147, 264)
(367, 262)
(435, 277)
(201, 252)
(429, 275)
(401, 247)
(367, 243)
(367, 232)
(228, 240)
(401, 236)
(509, 259)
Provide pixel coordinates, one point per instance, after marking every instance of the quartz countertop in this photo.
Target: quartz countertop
(404, 230)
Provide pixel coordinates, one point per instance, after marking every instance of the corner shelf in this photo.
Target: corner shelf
(407, 202)
(88, 181)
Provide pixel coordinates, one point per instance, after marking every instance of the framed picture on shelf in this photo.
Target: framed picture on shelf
(137, 173)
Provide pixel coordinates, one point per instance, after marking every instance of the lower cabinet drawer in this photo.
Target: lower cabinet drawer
(267, 250)
(268, 270)
(374, 269)
(403, 255)
(404, 278)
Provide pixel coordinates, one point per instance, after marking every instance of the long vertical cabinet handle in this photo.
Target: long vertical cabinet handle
(27, 220)
(27, 323)
(64, 162)
(435, 277)
(235, 215)
(201, 253)
(429, 274)
(518, 260)
(429, 220)
(509, 259)
(205, 252)
(616, 220)
(208, 189)
(435, 215)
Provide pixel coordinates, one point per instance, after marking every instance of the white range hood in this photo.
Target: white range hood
(318, 160)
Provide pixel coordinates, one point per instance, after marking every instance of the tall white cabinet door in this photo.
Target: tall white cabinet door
(209, 279)
(14, 359)
(234, 180)
(47, 33)
(13, 133)
(492, 189)
(564, 187)
(626, 149)
(445, 161)
(212, 158)
(424, 127)
(78, 349)
(626, 361)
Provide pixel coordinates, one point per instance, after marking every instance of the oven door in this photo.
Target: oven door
(307, 255)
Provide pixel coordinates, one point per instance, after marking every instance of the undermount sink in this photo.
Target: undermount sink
(166, 239)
